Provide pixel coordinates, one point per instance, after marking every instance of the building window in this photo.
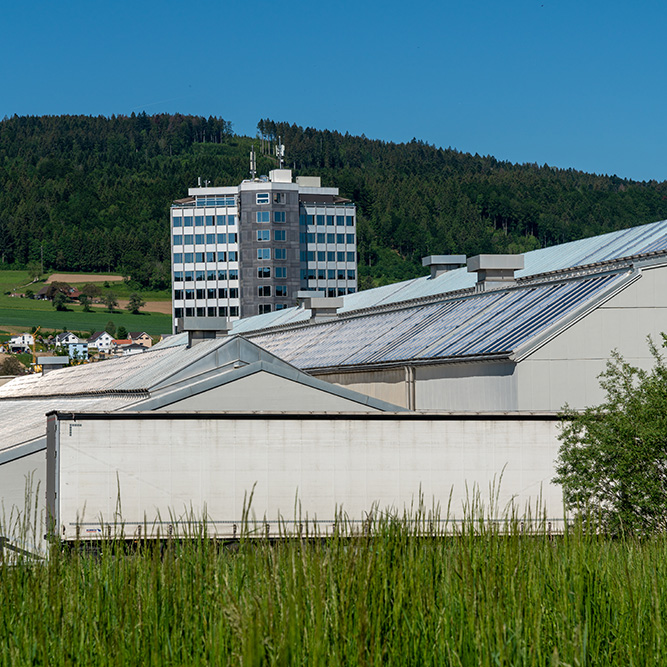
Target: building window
(264, 290)
(281, 272)
(222, 238)
(187, 221)
(178, 239)
(233, 311)
(321, 237)
(189, 312)
(281, 290)
(178, 258)
(263, 216)
(279, 198)
(233, 292)
(351, 290)
(320, 219)
(210, 220)
(221, 219)
(331, 273)
(280, 253)
(231, 220)
(321, 255)
(349, 221)
(178, 276)
(302, 220)
(222, 256)
(211, 311)
(264, 272)
(279, 216)
(211, 274)
(222, 292)
(340, 238)
(188, 257)
(350, 256)
(331, 238)
(199, 220)
(187, 239)
(341, 274)
(279, 235)
(231, 238)
(222, 274)
(189, 276)
(189, 295)
(177, 221)
(199, 239)
(264, 308)
(222, 311)
(340, 256)
(210, 239)
(350, 238)
(233, 274)
(310, 219)
(211, 292)
(340, 219)
(233, 256)
(281, 306)
(263, 234)
(262, 198)
(199, 257)
(331, 256)
(200, 294)
(351, 274)
(201, 311)
(178, 295)
(263, 253)
(321, 274)
(330, 220)
(210, 257)
(178, 312)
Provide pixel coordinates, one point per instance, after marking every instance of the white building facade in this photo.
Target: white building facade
(248, 249)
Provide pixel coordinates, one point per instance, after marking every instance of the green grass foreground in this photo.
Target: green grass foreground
(393, 598)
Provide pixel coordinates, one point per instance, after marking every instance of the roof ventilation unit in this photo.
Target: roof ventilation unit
(49, 364)
(494, 270)
(321, 307)
(202, 328)
(442, 263)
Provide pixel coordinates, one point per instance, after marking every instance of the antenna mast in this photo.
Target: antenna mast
(253, 162)
(280, 152)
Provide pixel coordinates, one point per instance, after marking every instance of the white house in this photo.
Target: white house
(101, 340)
(21, 342)
(66, 338)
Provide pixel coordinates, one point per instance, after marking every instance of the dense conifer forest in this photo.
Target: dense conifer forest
(93, 193)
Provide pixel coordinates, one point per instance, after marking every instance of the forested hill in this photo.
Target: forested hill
(93, 193)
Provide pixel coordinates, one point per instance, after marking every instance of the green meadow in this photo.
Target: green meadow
(27, 313)
(485, 596)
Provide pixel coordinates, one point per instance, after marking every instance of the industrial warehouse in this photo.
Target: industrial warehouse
(432, 386)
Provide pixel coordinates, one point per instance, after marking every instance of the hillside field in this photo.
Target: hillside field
(18, 314)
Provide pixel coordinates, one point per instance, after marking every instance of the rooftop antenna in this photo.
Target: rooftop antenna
(199, 181)
(253, 163)
(280, 152)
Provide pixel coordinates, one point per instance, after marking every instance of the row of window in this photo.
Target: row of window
(321, 237)
(210, 311)
(215, 200)
(210, 293)
(210, 274)
(265, 216)
(219, 256)
(201, 220)
(265, 272)
(326, 256)
(328, 274)
(306, 219)
(265, 235)
(201, 239)
(264, 197)
(265, 253)
(265, 290)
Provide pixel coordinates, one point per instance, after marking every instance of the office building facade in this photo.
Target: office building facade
(248, 249)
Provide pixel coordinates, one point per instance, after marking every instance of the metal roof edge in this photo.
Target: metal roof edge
(23, 449)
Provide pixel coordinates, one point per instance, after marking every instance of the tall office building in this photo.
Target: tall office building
(248, 249)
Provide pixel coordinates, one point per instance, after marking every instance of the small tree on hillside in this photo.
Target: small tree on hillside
(11, 366)
(85, 302)
(110, 328)
(59, 301)
(612, 462)
(110, 301)
(135, 303)
(121, 333)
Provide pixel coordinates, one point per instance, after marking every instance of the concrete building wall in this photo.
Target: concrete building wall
(21, 479)
(386, 385)
(265, 391)
(566, 369)
(179, 467)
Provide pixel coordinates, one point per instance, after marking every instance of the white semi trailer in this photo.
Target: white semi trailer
(157, 474)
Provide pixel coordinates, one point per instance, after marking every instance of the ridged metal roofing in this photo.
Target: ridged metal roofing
(614, 245)
(489, 323)
(134, 373)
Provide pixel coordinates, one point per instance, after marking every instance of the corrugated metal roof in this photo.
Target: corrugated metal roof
(489, 323)
(614, 245)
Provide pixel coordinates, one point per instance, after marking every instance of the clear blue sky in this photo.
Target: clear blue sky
(570, 83)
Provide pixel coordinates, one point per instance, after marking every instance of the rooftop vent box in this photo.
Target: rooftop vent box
(442, 263)
(280, 176)
(321, 307)
(309, 181)
(495, 270)
(49, 364)
(202, 328)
